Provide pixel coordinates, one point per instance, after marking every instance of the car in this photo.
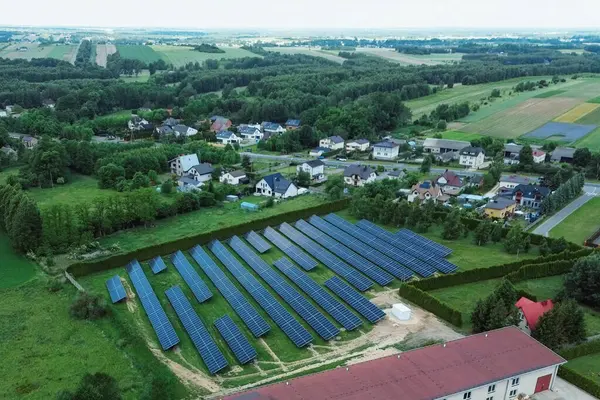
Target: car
(321, 157)
(342, 159)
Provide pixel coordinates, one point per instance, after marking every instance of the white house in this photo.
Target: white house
(136, 123)
(250, 132)
(332, 142)
(184, 130)
(227, 137)
(441, 146)
(180, 165)
(357, 145)
(3, 113)
(512, 181)
(272, 128)
(358, 175)
(315, 168)
(275, 185)
(539, 156)
(472, 157)
(201, 172)
(233, 177)
(386, 150)
(187, 184)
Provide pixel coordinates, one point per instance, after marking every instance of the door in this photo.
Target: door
(543, 383)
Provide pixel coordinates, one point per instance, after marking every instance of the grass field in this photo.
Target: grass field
(138, 52)
(14, 268)
(587, 366)
(411, 59)
(143, 76)
(591, 118)
(577, 113)
(591, 141)
(181, 55)
(548, 93)
(33, 50)
(65, 53)
(459, 135)
(309, 52)
(580, 224)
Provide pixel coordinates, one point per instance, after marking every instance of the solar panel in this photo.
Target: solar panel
(191, 277)
(206, 346)
(116, 289)
(371, 254)
(436, 247)
(253, 320)
(355, 278)
(288, 324)
(157, 265)
(257, 242)
(160, 323)
(355, 300)
(303, 307)
(409, 246)
(292, 251)
(237, 342)
(420, 267)
(336, 309)
(357, 261)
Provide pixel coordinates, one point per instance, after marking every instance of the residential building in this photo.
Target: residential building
(332, 142)
(359, 175)
(397, 174)
(219, 123)
(184, 130)
(447, 157)
(30, 142)
(227, 137)
(9, 109)
(9, 152)
(182, 164)
(530, 313)
(563, 155)
(494, 365)
(234, 177)
(530, 196)
(512, 151)
(315, 168)
(201, 172)
(472, 157)
(250, 132)
(450, 183)
(49, 103)
(500, 208)
(277, 186)
(272, 128)
(164, 130)
(3, 114)
(386, 150)
(171, 122)
(357, 145)
(292, 124)
(539, 156)
(319, 151)
(512, 181)
(187, 184)
(427, 191)
(432, 145)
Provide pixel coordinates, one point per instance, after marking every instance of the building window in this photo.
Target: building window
(513, 393)
(467, 396)
(515, 382)
(490, 398)
(491, 388)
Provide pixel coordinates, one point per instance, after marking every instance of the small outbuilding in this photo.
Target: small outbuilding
(249, 206)
(401, 312)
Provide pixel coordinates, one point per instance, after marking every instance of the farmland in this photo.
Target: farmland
(103, 51)
(138, 52)
(181, 55)
(331, 56)
(27, 51)
(580, 111)
(560, 131)
(411, 59)
(580, 224)
(65, 53)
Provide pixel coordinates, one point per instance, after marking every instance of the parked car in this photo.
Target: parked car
(342, 159)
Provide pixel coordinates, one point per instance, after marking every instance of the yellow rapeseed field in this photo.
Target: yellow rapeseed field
(575, 113)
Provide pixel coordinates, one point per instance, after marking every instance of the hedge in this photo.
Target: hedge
(583, 382)
(120, 260)
(431, 304)
(536, 271)
(583, 349)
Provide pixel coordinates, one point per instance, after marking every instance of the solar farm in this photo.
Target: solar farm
(292, 291)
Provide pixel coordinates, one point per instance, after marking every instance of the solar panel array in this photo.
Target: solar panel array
(288, 324)
(357, 301)
(292, 251)
(157, 265)
(355, 278)
(257, 242)
(418, 266)
(365, 266)
(427, 243)
(303, 307)
(191, 277)
(409, 246)
(116, 289)
(253, 320)
(336, 309)
(160, 323)
(206, 346)
(371, 254)
(236, 341)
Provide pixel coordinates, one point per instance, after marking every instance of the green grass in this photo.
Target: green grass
(143, 76)
(64, 53)
(592, 118)
(591, 141)
(331, 56)
(459, 135)
(580, 225)
(594, 100)
(138, 52)
(587, 366)
(182, 55)
(542, 288)
(14, 268)
(549, 93)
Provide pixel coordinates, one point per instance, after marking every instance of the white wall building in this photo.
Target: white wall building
(275, 185)
(357, 145)
(359, 175)
(386, 150)
(227, 137)
(332, 142)
(315, 168)
(233, 177)
(250, 132)
(180, 165)
(472, 157)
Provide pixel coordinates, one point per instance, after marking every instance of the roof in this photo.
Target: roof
(277, 182)
(359, 141)
(397, 172)
(28, 139)
(530, 191)
(387, 143)
(532, 311)
(499, 203)
(364, 172)
(165, 129)
(518, 179)
(220, 124)
(314, 163)
(225, 135)
(451, 178)
(562, 152)
(537, 153)
(238, 173)
(217, 117)
(187, 161)
(188, 181)
(336, 139)
(471, 151)
(512, 148)
(247, 130)
(203, 169)
(446, 143)
(293, 122)
(423, 374)
(271, 125)
(171, 122)
(181, 129)
(323, 149)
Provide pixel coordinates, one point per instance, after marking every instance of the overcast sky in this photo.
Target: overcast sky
(203, 14)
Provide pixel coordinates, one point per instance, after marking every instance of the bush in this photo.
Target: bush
(98, 386)
(584, 349)
(430, 303)
(88, 306)
(167, 187)
(582, 382)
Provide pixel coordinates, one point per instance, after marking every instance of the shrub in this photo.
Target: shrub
(167, 187)
(88, 306)
(583, 382)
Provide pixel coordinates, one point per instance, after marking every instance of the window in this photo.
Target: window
(467, 396)
(515, 382)
(490, 398)
(491, 388)
(513, 393)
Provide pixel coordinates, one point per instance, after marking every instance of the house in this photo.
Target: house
(30, 142)
(427, 191)
(332, 142)
(563, 155)
(512, 151)
(494, 365)
(164, 130)
(386, 150)
(234, 177)
(48, 103)
(181, 165)
(530, 196)
(539, 156)
(499, 208)
(250, 132)
(432, 145)
(136, 123)
(272, 128)
(450, 183)
(219, 123)
(227, 137)
(358, 175)
(276, 185)
(447, 157)
(201, 172)
(184, 130)
(9, 109)
(471, 157)
(315, 168)
(187, 184)
(512, 181)
(292, 124)
(357, 145)
(3, 114)
(319, 151)
(397, 174)
(9, 152)
(171, 122)
(530, 312)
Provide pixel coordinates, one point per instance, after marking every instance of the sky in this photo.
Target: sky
(307, 14)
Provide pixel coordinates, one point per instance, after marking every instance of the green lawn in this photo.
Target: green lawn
(591, 141)
(182, 55)
(64, 53)
(588, 366)
(582, 223)
(549, 93)
(458, 135)
(81, 189)
(138, 52)
(14, 269)
(543, 288)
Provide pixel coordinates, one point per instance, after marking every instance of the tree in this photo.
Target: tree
(335, 187)
(544, 249)
(562, 325)
(108, 175)
(559, 245)
(153, 176)
(497, 310)
(26, 228)
(246, 163)
(158, 389)
(99, 386)
(139, 181)
(167, 187)
(495, 93)
(514, 242)
(453, 227)
(582, 157)
(583, 282)
(88, 306)
(483, 232)
(442, 125)
(526, 155)
(426, 164)
(302, 179)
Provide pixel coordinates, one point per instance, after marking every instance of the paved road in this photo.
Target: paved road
(590, 191)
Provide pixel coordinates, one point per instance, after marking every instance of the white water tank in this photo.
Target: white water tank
(402, 312)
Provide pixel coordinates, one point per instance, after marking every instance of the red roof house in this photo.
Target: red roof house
(450, 183)
(531, 312)
(220, 124)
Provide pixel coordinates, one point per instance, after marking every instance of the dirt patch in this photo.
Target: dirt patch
(102, 53)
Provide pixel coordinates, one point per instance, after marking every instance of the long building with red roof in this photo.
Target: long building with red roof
(497, 365)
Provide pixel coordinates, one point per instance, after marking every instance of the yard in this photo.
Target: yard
(14, 268)
(588, 366)
(182, 55)
(581, 224)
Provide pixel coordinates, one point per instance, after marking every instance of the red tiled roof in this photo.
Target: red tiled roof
(451, 178)
(537, 153)
(532, 310)
(423, 374)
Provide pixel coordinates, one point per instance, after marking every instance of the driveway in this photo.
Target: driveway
(563, 390)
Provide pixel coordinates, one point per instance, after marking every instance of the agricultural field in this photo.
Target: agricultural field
(181, 55)
(581, 224)
(27, 51)
(138, 52)
(411, 59)
(65, 53)
(103, 51)
(591, 118)
(560, 131)
(331, 56)
(591, 141)
(577, 113)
